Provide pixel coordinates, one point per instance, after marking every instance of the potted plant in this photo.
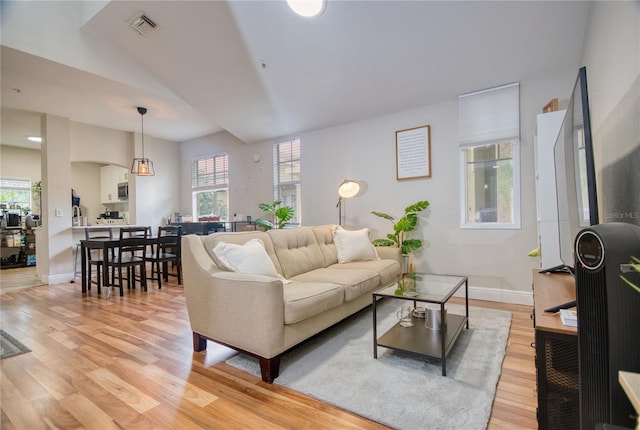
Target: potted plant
(401, 229)
(280, 215)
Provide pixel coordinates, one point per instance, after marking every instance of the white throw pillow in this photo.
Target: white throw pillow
(354, 245)
(248, 258)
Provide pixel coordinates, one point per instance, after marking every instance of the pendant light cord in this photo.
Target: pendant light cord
(142, 111)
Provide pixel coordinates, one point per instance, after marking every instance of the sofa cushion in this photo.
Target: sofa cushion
(355, 282)
(324, 236)
(297, 250)
(353, 245)
(250, 257)
(304, 300)
(387, 269)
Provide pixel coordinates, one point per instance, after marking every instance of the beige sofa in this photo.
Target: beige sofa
(265, 315)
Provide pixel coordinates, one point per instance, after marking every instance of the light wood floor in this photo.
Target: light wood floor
(128, 363)
(17, 278)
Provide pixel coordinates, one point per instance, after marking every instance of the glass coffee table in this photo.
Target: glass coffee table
(424, 288)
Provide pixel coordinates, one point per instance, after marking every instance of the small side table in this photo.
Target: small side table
(425, 288)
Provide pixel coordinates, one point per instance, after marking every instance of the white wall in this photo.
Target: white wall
(152, 198)
(612, 58)
(85, 182)
(100, 145)
(56, 243)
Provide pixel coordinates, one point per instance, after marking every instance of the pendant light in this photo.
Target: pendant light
(142, 166)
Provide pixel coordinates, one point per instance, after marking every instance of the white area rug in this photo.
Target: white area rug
(400, 390)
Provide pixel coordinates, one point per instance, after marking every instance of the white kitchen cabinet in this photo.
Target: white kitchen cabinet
(110, 177)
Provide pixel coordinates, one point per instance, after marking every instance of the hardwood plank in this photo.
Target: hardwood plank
(121, 389)
(88, 414)
(19, 410)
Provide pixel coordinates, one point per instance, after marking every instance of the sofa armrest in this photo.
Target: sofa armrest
(390, 253)
(241, 310)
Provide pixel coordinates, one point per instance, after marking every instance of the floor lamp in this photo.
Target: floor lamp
(346, 190)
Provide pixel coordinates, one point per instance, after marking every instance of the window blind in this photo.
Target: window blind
(14, 184)
(489, 116)
(286, 161)
(210, 172)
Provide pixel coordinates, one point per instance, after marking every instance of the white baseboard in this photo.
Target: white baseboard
(498, 295)
(56, 279)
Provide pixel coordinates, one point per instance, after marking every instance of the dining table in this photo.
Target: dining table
(107, 245)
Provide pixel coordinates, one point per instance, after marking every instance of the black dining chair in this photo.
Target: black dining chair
(131, 254)
(95, 257)
(166, 249)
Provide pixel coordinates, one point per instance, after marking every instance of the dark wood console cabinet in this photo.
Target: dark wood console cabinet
(556, 354)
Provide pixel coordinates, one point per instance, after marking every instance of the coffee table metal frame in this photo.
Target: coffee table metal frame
(430, 288)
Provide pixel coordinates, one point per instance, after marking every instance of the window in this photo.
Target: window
(15, 192)
(210, 187)
(286, 176)
(490, 157)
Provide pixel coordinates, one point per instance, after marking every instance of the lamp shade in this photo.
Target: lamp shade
(142, 166)
(348, 189)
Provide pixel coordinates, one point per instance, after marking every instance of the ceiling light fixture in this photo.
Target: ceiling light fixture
(142, 166)
(34, 139)
(307, 8)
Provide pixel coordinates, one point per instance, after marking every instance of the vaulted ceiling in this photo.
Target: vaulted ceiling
(259, 71)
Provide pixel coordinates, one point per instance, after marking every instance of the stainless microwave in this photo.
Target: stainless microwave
(123, 191)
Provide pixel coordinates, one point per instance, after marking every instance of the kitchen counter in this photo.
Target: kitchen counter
(82, 227)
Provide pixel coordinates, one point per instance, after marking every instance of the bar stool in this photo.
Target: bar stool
(76, 251)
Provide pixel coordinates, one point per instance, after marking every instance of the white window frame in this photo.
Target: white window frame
(500, 132)
(515, 160)
(212, 188)
(277, 185)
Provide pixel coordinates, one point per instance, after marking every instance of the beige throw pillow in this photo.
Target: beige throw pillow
(354, 245)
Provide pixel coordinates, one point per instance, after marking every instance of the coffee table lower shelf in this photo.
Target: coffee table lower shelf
(422, 340)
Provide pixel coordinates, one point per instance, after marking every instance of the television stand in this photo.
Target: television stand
(567, 305)
(556, 355)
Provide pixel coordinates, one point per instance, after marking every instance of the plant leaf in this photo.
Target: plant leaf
(417, 207)
(410, 245)
(264, 223)
(266, 207)
(383, 215)
(284, 214)
(631, 284)
(383, 242)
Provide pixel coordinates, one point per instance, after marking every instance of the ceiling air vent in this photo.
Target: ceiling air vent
(142, 23)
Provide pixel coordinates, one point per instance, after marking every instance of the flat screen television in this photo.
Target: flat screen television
(575, 174)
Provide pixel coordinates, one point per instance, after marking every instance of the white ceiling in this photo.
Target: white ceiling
(257, 70)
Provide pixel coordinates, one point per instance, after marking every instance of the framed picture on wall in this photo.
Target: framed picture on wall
(413, 153)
